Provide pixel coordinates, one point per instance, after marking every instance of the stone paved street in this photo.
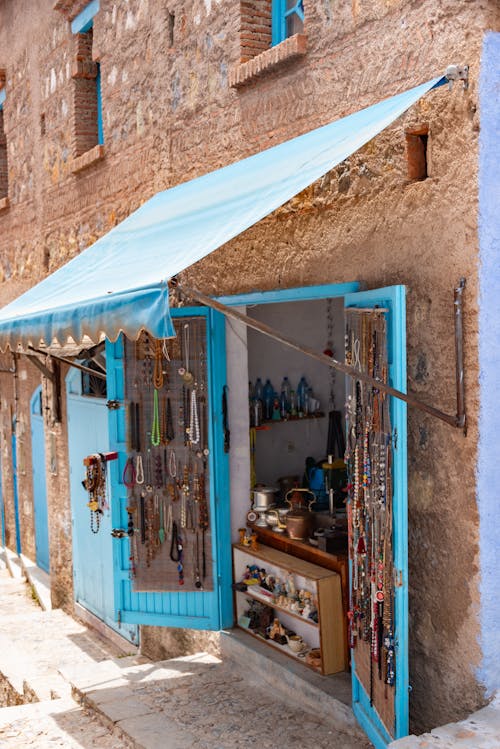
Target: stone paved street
(130, 701)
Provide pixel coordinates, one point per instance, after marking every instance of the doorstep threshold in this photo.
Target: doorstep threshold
(294, 680)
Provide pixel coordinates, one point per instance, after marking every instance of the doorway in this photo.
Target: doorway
(39, 481)
(88, 433)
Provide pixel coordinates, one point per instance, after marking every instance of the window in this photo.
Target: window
(87, 127)
(416, 153)
(93, 386)
(4, 178)
(271, 36)
(288, 19)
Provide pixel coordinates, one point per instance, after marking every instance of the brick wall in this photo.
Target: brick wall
(255, 27)
(84, 75)
(4, 182)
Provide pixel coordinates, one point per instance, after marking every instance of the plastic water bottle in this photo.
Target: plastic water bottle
(268, 399)
(285, 391)
(258, 390)
(301, 395)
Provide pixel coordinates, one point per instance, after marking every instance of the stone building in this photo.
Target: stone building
(105, 104)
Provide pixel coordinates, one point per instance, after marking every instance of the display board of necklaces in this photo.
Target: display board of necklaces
(167, 472)
(368, 458)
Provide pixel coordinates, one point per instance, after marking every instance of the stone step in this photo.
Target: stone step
(201, 700)
(290, 678)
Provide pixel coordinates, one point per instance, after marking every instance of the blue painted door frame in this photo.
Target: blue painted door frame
(15, 486)
(209, 610)
(393, 299)
(39, 481)
(92, 552)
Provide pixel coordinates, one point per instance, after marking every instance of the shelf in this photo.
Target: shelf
(328, 634)
(269, 602)
(282, 648)
(267, 423)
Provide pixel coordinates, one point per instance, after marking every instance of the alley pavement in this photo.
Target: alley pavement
(80, 692)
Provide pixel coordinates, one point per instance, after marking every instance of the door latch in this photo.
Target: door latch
(113, 405)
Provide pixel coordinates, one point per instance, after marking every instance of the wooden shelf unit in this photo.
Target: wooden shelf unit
(328, 634)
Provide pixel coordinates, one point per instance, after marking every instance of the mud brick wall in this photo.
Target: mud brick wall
(169, 115)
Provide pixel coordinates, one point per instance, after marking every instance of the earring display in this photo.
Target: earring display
(166, 473)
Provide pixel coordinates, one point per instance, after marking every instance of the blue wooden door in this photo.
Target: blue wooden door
(2, 511)
(15, 486)
(209, 610)
(393, 299)
(39, 481)
(92, 552)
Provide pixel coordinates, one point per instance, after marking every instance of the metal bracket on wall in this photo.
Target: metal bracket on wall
(53, 376)
(457, 420)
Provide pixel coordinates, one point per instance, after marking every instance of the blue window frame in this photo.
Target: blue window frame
(288, 19)
(85, 19)
(82, 24)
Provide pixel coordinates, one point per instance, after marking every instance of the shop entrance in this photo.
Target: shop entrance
(296, 453)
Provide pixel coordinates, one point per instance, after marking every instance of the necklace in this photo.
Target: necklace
(155, 428)
(129, 475)
(158, 366)
(139, 479)
(194, 426)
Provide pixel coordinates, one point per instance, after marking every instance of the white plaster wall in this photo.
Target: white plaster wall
(239, 455)
(283, 449)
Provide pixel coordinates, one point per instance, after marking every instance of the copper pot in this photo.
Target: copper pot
(299, 519)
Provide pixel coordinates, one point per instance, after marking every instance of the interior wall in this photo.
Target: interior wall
(283, 448)
(239, 454)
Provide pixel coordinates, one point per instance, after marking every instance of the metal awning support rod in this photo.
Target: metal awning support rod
(454, 421)
(32, 355)
(459, 355)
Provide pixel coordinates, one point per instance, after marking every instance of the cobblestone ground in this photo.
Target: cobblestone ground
(196, 702)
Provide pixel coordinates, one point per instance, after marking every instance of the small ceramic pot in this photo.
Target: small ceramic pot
(296, 643)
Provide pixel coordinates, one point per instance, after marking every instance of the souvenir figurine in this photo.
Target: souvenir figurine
(290, 586)
(307, 610)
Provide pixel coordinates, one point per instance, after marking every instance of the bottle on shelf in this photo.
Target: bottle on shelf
(258, 389)
(285, 391)
(268, 399)
(293, 403)
(301, 394)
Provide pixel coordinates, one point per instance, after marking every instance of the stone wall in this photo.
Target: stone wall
(169, 115)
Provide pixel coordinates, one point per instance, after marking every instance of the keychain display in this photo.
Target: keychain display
(166, 473)
(95, 483)
(370, 510)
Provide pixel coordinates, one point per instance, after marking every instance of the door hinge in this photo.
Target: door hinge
(398, 578)
(120, 533)
(113, 405)
(119, 618)
(395, 438)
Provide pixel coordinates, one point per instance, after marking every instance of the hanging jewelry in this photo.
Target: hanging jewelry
(158, 366)
(129, 475)
(172, 464)
(139, 478)
(169, 427)
(194, 424)
(184, 370)
(155, 428)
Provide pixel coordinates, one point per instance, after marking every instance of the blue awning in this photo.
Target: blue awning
(120, 282)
